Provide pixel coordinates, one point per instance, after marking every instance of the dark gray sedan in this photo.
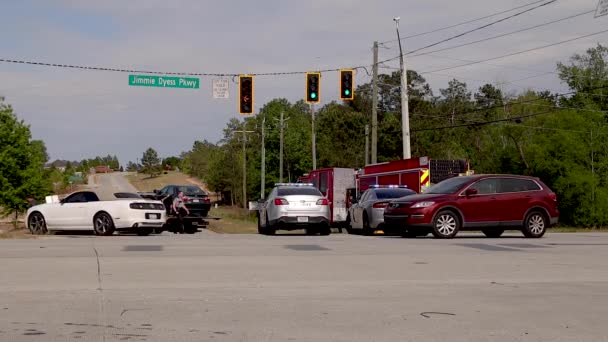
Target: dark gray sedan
(367, 215)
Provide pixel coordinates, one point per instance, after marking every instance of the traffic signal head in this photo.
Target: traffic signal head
(313, 87)
(346, 84)
(245, 94)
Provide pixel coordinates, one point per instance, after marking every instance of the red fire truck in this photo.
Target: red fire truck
(341, 186)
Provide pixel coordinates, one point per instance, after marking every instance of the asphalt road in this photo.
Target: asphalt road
(106, 184)
(211, 287)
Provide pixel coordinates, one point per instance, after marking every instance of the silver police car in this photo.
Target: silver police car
(367, 215)
(292, 206)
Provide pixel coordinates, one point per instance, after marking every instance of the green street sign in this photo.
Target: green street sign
(163, 81)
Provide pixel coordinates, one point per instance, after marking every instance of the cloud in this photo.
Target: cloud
(84, 113)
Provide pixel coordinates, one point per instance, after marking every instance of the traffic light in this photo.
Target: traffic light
(346, 84)
(245, 94)
(313, 87)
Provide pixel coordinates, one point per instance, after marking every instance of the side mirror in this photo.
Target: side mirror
(155, 191)
(470, 192)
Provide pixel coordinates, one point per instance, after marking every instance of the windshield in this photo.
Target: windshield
(307, 191)
(449, 186)
(393, 193)
(192, 191)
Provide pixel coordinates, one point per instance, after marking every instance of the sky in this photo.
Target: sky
(82, 113)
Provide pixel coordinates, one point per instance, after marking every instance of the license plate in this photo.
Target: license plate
(195, 201)
(153, 216)
(302, 219)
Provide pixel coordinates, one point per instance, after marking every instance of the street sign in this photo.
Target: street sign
(221, 88)
(602, 8)
(163, 81)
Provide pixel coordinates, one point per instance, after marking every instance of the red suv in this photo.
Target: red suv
(490, 203)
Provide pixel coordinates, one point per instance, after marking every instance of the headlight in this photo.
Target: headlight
(423, 204)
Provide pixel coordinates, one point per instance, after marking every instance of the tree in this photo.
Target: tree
(587, 75)
(173, 162)
(151, 162)
(21, 163)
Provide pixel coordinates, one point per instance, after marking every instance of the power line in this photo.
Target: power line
(516, 53)
(462, 23)
(483, 26)
(483, 123)
(503, 34)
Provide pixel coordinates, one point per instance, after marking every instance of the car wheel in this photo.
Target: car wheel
(493, 233)
(103, 224)
(158, 230)
(366, 229)
(190, 228)
(446, 225)
(144, 231)
(325, 230)
(37, 224)
(269, 229)
(535, 225)
(261, 229)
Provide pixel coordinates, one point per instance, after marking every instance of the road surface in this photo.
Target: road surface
(211, 287)
(109, 183)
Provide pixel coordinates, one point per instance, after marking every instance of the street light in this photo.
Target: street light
(405, 112)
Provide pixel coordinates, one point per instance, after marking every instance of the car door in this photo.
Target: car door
(360, 207)
(269, 207)
(69, 214)
(91, 206)
(481, 209)
(515, 198)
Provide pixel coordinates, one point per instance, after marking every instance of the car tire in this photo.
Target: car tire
(270, 228)
(158, 230)
(37, 224)
(535, 225)
(446, 225)
(103, 224)
(144, 231)
(493, 233)
(325, 230)
(190, 228)
(261, 229)
(367, 231)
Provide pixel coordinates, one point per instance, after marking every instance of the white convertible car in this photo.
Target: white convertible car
(84, 210)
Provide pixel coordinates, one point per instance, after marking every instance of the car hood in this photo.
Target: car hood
(420, 197)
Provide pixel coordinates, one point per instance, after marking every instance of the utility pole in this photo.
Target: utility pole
(263, 166)
(281, 144)
(366, 145)
(314, 138)
(405, 111)
(375, 107)
(244, 164)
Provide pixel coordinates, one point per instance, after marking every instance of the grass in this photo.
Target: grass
(565, 229)
(233, 221)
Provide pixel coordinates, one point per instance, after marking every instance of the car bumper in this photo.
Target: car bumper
(296, 221)
(376, 219)
(139, 220)
(414, 218)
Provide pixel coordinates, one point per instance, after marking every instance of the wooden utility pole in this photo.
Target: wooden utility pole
(375, 106)
(244, 164)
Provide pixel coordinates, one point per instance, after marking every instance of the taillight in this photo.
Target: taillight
(280, 201)
(206, 200)
(323, 201)
(380, 205)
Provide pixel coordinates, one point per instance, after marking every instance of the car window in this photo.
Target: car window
(517, 185)
(307, 191)
(486, 186)
(393, 193)
(76, 198)
(126, 195)
(323, 182)
(449, 186)
(90, 197)
(191, 191)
